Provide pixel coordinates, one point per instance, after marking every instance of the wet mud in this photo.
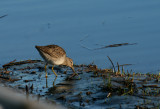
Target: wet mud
(92, 88)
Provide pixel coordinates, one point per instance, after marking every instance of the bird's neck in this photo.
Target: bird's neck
(66, 61)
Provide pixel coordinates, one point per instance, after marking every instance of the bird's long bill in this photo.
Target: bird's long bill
(74, 74)
(73, 69)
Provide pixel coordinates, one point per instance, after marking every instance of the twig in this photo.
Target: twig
(125, 65)
(107, 46)
(9, 63)
(118, 68)
(3, 16)
(115, 45)
(111, 63)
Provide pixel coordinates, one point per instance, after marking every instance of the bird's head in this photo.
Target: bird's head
(69, 63)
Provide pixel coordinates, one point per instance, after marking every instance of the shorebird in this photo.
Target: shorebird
(55, 55)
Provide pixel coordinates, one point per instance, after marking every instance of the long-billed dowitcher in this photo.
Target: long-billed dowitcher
(55, 55)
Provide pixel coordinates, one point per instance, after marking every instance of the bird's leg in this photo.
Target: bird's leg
(46, 83)
(54, 80)
(53, 70)
(46, 70)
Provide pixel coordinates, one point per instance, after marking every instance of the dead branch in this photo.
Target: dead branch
(107, 46)
(12, 63)
(3, 16)
(115, 45)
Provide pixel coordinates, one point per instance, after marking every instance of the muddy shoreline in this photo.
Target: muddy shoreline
(93, 88)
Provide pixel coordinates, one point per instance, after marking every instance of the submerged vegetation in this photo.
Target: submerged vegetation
(105, 88)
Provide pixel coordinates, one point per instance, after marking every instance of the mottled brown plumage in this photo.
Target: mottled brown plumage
(52, 50)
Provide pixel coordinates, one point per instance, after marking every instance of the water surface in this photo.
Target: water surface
(74, 23)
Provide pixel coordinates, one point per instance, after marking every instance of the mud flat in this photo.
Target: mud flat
(93, 88)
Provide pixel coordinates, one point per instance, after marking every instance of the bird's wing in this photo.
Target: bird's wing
(54, 51)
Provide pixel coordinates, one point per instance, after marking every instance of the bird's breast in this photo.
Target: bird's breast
(59, 61)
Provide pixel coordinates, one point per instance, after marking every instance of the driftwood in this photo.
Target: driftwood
(116, 45)
(108, 46)
(3, 16)
(12, 63)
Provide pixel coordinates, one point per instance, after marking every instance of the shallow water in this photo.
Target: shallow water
(93, 24)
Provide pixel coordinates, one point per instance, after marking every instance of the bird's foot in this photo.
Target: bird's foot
(73, 75)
